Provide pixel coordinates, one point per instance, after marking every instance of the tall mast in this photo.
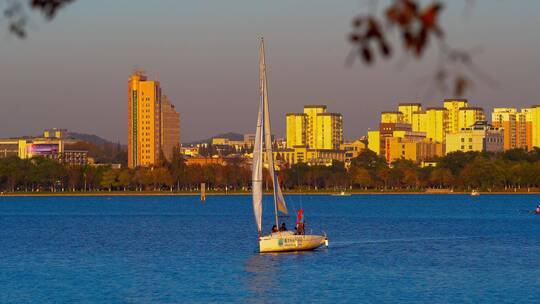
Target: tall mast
(266, 127)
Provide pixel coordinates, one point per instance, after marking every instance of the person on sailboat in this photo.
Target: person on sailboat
(300, 222)
(274, 229)
(283, 227)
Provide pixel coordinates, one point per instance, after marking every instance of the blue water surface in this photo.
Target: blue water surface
(175, 249)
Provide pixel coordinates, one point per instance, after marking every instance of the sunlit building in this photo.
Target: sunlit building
(296, 125)
(407, 110)
(329, 134)
(436, 124)
(311, 157)
(506, 119)
(311, 112)
(468, 116)
(535, 125)
(353, 148)
(479, 137)
(453, 106)
(314, 129)
(54, 133)
(419, 121)
(153, 123)
(414, 149)
(524, 129)
(374, 141)
(392, 117)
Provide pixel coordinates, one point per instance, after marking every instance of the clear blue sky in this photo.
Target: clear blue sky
(72, 72)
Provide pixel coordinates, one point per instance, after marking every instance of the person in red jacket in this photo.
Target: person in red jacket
(300, 228)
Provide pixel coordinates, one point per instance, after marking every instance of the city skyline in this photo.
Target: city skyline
(72, 74)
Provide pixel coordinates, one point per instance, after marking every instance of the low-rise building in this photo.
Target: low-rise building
(189, 151)
(302, 154)
(50, 147)
(481, 137)
(412, 146)
(352, 149)
(204, 161)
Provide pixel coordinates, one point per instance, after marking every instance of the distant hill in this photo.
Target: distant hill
(228, 135)
(91, 138)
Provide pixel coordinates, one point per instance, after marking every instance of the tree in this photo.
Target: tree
(361, 177)
(124, 178)
(108, 180)
(441, 177)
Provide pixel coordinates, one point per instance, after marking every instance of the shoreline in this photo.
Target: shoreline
(122, 193)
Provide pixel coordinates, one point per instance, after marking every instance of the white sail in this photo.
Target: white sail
(257, 172)
(278, 196)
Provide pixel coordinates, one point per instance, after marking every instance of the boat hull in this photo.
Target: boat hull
(283, 242)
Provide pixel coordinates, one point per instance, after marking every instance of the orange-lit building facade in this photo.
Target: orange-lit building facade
(170, 128)
(153, 123)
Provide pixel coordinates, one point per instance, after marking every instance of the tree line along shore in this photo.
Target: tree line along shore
(511, 171)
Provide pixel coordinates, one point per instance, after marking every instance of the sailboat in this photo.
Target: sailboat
(280, 241)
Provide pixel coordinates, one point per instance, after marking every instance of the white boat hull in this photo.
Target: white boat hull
(287, 241)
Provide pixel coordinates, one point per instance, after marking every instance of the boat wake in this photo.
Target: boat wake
(408, 240)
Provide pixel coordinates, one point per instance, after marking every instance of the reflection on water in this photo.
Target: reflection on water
(265, 270)
(262, 276)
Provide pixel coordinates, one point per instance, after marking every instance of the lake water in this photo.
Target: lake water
(383, 249)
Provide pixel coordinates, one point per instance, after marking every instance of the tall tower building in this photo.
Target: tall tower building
(505, 118)
(153, 124)
(296, 129)
(311, 112)
(329, 131)
(453, 106)
(170, 128)
(144, 120)
(408, 109)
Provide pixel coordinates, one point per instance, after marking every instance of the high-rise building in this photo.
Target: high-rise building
(315, 129)
(535, 125)
(374, 141)
(329, 134)
(468, 116)
(170, 128)
(153, 123)
(311, 112)
(453, 106)
(407, 109)
(524, 129)
(419, 121)
(436, 122)
(505, 118)
(296, 129)
(392, 117)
